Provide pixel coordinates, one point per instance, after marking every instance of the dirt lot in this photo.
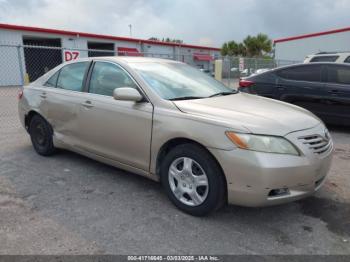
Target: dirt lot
(69, 204)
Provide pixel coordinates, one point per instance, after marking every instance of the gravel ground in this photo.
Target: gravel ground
(69, 204)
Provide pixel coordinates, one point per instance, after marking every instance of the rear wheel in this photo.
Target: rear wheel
(193, 180)
(41, 136)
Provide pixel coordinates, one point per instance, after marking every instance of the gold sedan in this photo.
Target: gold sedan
(206, 143)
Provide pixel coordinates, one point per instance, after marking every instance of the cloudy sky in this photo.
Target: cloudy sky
(206, 22)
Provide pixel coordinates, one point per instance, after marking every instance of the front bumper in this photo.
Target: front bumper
(251, 176)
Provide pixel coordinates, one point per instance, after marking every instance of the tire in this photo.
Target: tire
(41, 136)
(199, 191)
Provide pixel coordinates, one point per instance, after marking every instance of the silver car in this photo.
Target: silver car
(206, 143)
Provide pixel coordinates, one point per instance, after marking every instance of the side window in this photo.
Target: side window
(347, 60)
(328, 58)
(106, 77)
(310, 73)
(52, 80)
(72, 76)
(339, 74)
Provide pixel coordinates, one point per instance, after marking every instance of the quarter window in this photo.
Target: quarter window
(302, 73)
(71, 76)
(339, 74)
(52, 80)
(106, 77)
(347, 60)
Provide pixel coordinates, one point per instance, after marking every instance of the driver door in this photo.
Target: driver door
(114, 129)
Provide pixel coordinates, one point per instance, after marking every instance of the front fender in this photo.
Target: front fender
(171, 125)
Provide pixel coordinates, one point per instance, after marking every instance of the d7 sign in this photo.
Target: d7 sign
(71, 55)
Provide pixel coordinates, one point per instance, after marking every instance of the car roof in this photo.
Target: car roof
(309, 64)
(297, 65)
(331, 53)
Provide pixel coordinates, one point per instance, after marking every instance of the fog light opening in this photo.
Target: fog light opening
(279, 192)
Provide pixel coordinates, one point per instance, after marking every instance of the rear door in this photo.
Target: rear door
(338, 88)
(303, 85)
(63, 99)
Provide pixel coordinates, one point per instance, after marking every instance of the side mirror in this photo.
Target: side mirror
(127, 94)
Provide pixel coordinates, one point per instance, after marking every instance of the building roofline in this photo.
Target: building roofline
(311, 35)
(109, 37)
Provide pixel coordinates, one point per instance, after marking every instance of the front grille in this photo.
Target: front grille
(317, 143)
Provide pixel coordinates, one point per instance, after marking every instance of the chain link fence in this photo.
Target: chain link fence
(21, 64)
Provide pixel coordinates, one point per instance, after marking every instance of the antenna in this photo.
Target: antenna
(130, 30)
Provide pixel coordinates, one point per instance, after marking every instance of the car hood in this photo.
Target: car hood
(257, 114)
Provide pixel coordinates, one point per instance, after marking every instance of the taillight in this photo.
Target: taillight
(245, 83)
(20, 94)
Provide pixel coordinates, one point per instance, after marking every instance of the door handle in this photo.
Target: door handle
(87, 104)
(280, 87)
(334, 92)
(43, 95)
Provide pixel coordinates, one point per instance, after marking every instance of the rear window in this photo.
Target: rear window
(332, 58)
(302, 73)
(339, 74)
(347, 60)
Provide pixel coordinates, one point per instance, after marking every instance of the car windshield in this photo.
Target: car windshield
(177, 81)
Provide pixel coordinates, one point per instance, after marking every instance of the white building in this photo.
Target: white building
(296, 48)
(31, 51)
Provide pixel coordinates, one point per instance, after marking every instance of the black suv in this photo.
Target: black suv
(322, 88)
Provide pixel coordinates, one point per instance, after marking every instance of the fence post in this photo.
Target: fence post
(20, 63)
(62, 54)
(229, 71)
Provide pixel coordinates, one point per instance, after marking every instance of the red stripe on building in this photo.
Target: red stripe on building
(312, 35)
(109, 37)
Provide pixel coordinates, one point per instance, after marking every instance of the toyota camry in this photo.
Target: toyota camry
(206, 143)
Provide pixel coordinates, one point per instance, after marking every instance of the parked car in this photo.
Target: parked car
(206, 143)
(336, 57)
(244, 72)
(207, 71)
(322, 88)
(260, 71)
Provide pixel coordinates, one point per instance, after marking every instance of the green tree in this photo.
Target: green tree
(232, 48)
(224, 49)
(258, 45)
(169, 40)
(153, 38)
(242, 50)
(252, 46)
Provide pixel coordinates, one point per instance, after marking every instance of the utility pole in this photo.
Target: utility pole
(130, 27)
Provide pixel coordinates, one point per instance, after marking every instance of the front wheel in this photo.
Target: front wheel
(193, 180)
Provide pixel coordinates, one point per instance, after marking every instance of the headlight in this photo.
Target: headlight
(269, 144)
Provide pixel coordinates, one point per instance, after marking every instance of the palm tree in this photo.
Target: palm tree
(252, 46)
(264, 43)
(242, 50)
(257, 45)
(224, 49)
(232, 48)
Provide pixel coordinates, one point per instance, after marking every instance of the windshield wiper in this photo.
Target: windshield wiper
(224, 93)
(185, 98)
